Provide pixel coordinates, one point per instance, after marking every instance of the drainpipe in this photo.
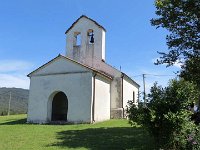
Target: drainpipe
(93, 104)
(122, 76)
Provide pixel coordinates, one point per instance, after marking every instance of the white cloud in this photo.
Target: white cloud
(14, 65)
(13, 73)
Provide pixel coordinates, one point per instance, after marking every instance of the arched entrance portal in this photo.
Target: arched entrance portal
(59, 107)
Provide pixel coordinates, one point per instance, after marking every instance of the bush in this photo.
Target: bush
(167, 117)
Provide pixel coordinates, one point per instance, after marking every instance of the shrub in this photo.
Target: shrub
(167, 117)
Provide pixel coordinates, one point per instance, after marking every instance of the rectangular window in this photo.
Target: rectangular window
(77, 39)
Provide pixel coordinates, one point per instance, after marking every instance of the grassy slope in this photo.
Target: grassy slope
(113, 134)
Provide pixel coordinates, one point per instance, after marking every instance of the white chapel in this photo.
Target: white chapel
(80, 87)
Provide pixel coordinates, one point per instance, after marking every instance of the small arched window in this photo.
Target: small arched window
(90, 34)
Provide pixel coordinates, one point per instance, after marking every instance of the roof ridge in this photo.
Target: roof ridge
(59, 56)
(84, 16)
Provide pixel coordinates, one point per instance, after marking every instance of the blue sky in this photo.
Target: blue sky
(32, 33)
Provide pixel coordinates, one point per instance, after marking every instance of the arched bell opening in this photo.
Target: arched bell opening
(90, 34)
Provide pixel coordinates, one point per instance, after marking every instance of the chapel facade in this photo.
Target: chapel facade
(80, 86)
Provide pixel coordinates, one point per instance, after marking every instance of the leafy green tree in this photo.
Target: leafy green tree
(167, 116)
(182, 19)
(191, 71)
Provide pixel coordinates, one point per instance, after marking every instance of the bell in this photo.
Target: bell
(92, 39)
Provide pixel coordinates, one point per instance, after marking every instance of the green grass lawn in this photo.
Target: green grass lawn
(114, 134)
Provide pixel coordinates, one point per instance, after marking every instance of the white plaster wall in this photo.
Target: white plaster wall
(93, 55)
(102, 99)
(82, 26)
(115, 84)
(77, 87)
(128, 89)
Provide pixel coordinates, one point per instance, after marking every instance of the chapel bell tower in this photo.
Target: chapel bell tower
(86, 41)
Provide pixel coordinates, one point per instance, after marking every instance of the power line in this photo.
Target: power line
(160, 75)
(137, 75)
(141, 75)
(144, 82)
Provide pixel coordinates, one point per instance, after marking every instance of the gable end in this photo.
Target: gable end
(83, 16)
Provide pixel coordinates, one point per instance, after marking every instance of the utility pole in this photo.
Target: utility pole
(9, 103)
(144, 97)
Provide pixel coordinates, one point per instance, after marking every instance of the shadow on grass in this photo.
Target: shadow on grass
(118, 138)
(14, 122)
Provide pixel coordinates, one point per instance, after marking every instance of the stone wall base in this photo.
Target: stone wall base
(117, 113)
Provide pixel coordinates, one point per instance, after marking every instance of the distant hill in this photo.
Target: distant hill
(19, 100)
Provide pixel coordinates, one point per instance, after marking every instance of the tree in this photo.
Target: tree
(191, 70)
(167, 116)
(182, 19)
